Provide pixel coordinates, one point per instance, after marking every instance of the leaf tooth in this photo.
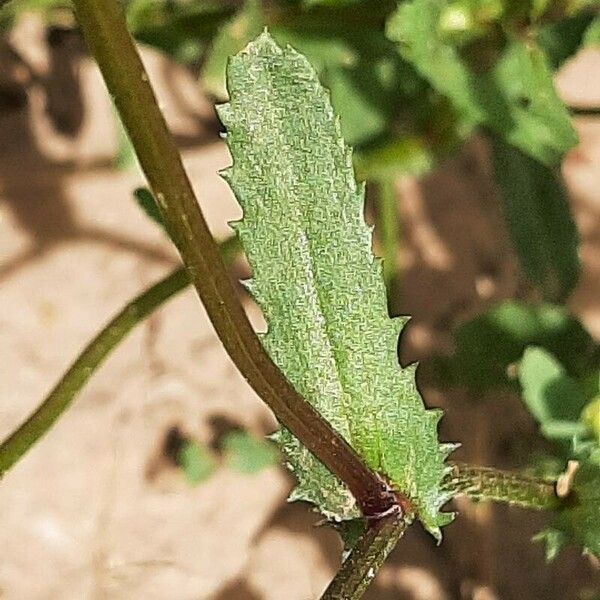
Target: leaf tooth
(249, 285)
(265, 45)
(378, 266)
(446, 517)
(226, 174)
(410, 371)
(236, 225)
(296, 495)
(435, 414)
(226, 114)
(447, 449)
(399, 322)
(436, 532)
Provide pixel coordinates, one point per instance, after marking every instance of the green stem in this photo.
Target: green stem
(93, 355)
(60, 398)
(389, 231)
(366, 558)
(487, 484)
(105, 31)
(585, 111)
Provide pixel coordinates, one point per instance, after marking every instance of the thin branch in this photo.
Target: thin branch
(93, 355)
(584, 111)
(104, 28)
(366, 558)
(60, 398)
(488, 484)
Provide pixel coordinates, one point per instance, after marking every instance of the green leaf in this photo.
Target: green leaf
(539, 221)
(319, 286)
(196, 462)
(388, 161)
(591, 417)
(579, 521)
(487, 345)
(180, 29)
(515, 97)
(247, 454)
(561, 40)
(329, 2)
(553, 398)
(368, 80)
(592, 34)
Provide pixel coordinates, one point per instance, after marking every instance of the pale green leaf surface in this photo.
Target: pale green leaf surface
(553, 397)
(515, 97)
(319, 286)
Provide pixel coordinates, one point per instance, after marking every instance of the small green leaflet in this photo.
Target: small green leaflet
(555, 399)
(196, 462)
(319, 286)
(579, 522)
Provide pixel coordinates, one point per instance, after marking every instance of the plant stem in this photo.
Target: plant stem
(485, 483)
(366, 558)
(60, 398)
(584, 111)
(104, 28)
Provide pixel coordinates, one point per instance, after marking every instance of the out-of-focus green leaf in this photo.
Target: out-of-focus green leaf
(579, 521)
(246, 454)
(487, 345)
(591, 417)
(402, 156)
(329, 2)
(368, 81)
(196, 462)
(515, 97)
(553, 397)
(59, 12)
(592, 34)
(319, 286)
(561, 40)
(180, 28)
(539, 221)
(232, 37)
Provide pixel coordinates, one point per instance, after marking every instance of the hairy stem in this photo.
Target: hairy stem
(105, 31)
(366, 558)
(485, 483)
